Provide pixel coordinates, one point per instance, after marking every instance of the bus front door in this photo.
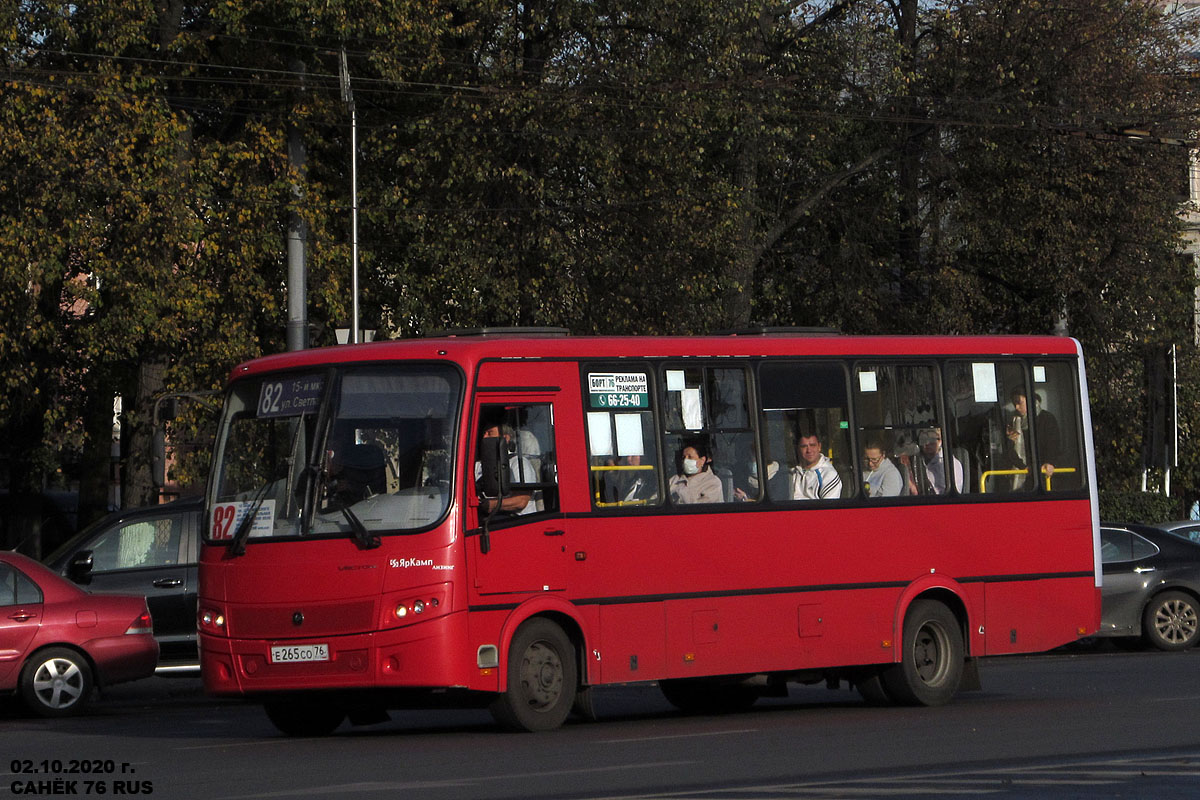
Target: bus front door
(519, 537)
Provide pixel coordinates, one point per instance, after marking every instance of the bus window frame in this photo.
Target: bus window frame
(746, 366)
(631, 365)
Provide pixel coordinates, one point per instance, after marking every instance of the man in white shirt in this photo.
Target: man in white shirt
(930, 440)
(815, 477)
(521, 470)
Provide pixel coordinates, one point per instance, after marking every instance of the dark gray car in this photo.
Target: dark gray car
(1151, 586)
(150, 551)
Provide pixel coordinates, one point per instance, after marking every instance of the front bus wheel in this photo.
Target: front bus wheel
(931, 659)
(541, 681)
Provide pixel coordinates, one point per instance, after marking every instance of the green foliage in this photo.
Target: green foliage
(669, 166)
(1144, 507)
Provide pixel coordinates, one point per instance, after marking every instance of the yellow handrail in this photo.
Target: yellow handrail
(620, 468)
(984, 477)
(1056, 471)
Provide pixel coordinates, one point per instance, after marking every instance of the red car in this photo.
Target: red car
(57, 642)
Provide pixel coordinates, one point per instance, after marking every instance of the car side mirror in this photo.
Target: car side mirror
(79, 568)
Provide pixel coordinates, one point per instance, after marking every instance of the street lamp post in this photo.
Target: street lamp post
(348, 98)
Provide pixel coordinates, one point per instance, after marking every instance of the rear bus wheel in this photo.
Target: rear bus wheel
(541, 680)
(931, 659)
(870, 686)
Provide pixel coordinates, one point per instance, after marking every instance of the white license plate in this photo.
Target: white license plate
(299, 652)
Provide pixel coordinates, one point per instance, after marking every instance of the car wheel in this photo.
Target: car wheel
(1170, 621)
(56, 682)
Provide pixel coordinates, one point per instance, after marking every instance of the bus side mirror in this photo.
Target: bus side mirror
(494, 478)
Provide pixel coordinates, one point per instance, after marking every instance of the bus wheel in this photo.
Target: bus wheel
(299, 718)
(707, 696)
(585, 704)
(931, 659)
(870, 686)
(541, 681)
(1170, 623)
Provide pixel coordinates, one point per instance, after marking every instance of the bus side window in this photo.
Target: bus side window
(1057, 439)
(986, 402)
(623, 465)
(896, 408)
(806, 427)
(707, 428)
(527, 453)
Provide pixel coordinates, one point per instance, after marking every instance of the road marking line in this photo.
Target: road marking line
(674, 736)
(382, 786)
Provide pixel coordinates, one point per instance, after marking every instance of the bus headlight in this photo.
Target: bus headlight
(211, 620)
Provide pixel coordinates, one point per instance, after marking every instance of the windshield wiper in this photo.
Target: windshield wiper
(366, 540)
(237, 547)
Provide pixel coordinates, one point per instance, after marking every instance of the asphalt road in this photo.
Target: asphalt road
(1109, 724)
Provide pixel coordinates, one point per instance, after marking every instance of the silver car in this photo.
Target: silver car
(1151, 585)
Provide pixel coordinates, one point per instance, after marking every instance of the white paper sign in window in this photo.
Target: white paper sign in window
(693, 419)
(1039, 374)
(629, 435)
(599, 434)
(867, 382)
(675, 380)
(985, 382)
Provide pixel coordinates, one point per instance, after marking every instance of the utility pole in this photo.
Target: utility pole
(297, 272)
(348, 99)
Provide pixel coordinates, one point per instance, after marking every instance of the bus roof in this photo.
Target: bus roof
(467, 349)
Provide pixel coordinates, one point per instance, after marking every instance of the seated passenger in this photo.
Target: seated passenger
(815, 477)
(931, 467)
(776, 483)
(880, 476)
(697, 483)
(634, 485)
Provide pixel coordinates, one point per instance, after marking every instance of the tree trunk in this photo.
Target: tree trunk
(137, 419)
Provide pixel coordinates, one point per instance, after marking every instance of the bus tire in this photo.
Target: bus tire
(541, 681)
(708, 696)
(300, 718)
(870, 686)
(931, 659)
(585, 704)
(1170, 621)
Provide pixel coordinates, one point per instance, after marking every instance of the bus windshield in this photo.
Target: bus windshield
(357, 450)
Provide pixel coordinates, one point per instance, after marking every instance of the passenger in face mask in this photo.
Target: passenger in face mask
(697, 483)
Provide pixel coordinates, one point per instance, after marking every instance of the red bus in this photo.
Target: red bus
(512, 517)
